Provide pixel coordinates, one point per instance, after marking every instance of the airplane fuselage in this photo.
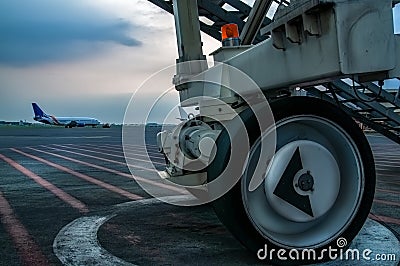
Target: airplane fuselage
(68, 121)
(42, 117)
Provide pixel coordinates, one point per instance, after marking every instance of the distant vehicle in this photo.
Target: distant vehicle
(151, 124)
(70, 122)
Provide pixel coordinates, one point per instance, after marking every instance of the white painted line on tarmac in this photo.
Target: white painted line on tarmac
(77, 244)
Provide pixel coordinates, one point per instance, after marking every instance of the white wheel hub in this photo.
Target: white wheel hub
(303, 181)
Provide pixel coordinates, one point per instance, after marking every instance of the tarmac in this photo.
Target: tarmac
(67, 198)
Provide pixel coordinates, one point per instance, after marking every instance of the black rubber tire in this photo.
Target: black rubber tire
(229, 208)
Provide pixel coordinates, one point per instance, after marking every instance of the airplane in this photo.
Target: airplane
(184, 116)
(182, 113)
(68, 122)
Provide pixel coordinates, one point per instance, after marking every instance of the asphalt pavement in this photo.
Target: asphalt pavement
(67, 197)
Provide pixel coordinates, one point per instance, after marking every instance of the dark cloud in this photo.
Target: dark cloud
(36, 31)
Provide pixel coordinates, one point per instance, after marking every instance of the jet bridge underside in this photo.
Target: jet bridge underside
(251, 20)
(340, 46)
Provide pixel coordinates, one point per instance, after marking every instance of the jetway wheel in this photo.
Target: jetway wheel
(318, 190)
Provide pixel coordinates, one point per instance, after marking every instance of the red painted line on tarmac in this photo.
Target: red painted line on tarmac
(104, 159)
(386, 155)
(389, 182)
(391, 175)
(109, 146)
(387, 167)
(143, 154)
(122, 148)
(100, 147)
(70, 200)
(80, 149)
(387, 202)
(153, 152)
(387, 178)
(387, 162)
(161, 185)
(136, 145)
(388, 191)
(113, 155)
(26, 247)
(138, 148)
(84, 177)
(147, 147)
(117, 162)
(119, 147)
(384, 219)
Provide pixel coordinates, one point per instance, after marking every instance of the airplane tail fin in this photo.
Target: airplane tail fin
(36, 109)
(183, 114)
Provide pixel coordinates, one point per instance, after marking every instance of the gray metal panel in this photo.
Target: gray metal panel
(314, 60)
(367, 32)
(396, 71)
(317, 59)
(283, 15)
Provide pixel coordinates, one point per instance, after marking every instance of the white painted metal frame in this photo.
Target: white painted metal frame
(356, 39)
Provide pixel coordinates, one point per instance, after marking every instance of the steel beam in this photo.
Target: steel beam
(220, 13)
(167, 6)
(255, 21)
(213, 11)
(374, 105)
(188, 30)
(383, 94)
(375, 126)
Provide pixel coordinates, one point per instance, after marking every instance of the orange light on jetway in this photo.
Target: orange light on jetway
(230, 31)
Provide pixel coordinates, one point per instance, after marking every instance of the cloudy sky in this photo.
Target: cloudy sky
(82, 57)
